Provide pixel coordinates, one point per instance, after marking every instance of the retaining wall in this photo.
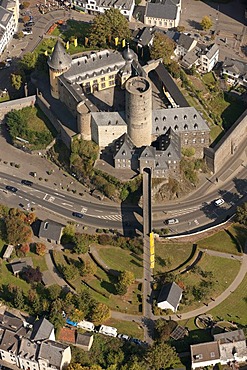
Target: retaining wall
(17, 104)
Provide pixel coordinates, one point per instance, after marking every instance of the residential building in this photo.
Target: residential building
(7, 27)
(8, 251)
(185, 44)
(235, 70)
(29, 347)
(163, 14)
(227, 348)
(71, 336)
(17, 267)
(126, 7)
(51, 231)
(208, 57)
(170, 297)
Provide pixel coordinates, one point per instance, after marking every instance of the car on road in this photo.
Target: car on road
(29, 24)
(26, 32)
(11, 188)
(27, 182)
(219, 202)
(136, 341)
(172, 221)
(77, 214)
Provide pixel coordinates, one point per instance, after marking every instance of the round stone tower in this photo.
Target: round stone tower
(59, 62)
(138, 110)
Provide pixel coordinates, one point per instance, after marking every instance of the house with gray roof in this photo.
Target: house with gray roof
(169, 297)
(163, 14)
(208, 57)
(51, 231)
(227, 348)
(184, 44)
(9, 347)
(43, 330)
(8, 251)
(235, 70)
(17, 267)
(53, 355)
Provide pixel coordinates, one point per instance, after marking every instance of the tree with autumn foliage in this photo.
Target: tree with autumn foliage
(100, 313)
(18, 229)
(23, 250)
(32, 275)
(162, 47)
(40, 249)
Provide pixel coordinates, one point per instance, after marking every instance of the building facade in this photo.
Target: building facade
(163, 14)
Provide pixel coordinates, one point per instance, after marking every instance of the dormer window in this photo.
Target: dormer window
(195, 126)
(157, 129)
(156, 119)
(164, 118)
(185, 117)
(176, 128)
(195, 116)
(164, 128)
(169, 154)
(175, 118)
(186, 127)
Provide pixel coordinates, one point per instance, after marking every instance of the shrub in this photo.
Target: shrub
(188, 152)
(25, 4)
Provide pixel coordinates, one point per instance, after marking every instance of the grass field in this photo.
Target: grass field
(234, 308)
(222, 242)
(224, 271)
(120, 260)
(169, 256)
(131, 329)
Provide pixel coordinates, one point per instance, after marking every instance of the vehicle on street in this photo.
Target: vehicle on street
(172, 221)
(27, 182)
(136, 341)
(29, 24)
(108, 330)
(86, 325)
(219, 202)
(27, 32)
(123, 336)
(11, 188)
(77, 214)
(8, 60)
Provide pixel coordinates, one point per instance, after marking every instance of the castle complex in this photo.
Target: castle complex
(134, 111)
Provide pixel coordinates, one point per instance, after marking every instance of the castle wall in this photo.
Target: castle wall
(138, 107)
(67, 98)
(17, 104)
(216, 157)
(106, 134)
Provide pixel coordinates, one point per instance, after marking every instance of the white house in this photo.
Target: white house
(126, 7)
(170, 297)
(164, 14)
(204, 354)
(185, 43)
(7, 27)
(209, 56)
(235, 70)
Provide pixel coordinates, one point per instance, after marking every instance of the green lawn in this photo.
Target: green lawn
(132, 329)
(224, 272)
(8, 278)
(234, 308)
(39, 261)
(169, 256)
(208, 79)
(120, 260)
(220, 241)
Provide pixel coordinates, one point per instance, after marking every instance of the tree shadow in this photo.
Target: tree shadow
(208, 210)
(240, 185)
(195, 24)
(229, 197)
(109, 287)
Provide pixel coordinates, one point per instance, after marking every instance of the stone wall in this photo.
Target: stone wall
(216, 157)
(16, 104)
(66, 134)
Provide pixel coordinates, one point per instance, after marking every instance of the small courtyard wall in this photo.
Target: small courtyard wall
(17, 104)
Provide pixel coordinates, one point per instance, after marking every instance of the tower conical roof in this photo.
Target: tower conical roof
(59, 58)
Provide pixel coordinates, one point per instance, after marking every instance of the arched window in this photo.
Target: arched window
(185, 117)
(164, 118)
(176, 128)
(157, 129)
(195, 116)
(156, 119)
(195, 126)
(164, 128)
(186, 127)
(176, 118)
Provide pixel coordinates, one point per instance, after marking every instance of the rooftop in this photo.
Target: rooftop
(50, 230)
(167, 9)
(170, 293)
(205, 352)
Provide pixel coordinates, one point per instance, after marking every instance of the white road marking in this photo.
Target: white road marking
(99, 210)
(60, 195)
(196, 222)
(20, 196)
(84, 210)
(67, 204)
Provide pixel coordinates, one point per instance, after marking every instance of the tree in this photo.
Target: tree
(32, 275)
(17, 231)
(125, 279)
(57, 319)
(174, 69)
(69, 272)
(100, 312)
(164, 328)
(241, 214)
(24, 249)
(28, 61)
(162, 47)
(40, 249)
(206, 23)
(16, 81)
(106, 27)
(90, 268)
(18, 298)
(161, 355)
(81, 243)
(54, 291)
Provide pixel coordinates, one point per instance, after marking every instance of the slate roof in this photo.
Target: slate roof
(185, 119)
(144, 36)
(148, 153)
(9, 342)
(190, 58)
(185, 41)
(109, 118)
(28, 349)
(84, 339)
(208, 51)
(170, 293)
(42, 329)
(5, 16)
(234, 65)
(10, 322)
(123, 147)
(18, 267)
(59, 59)
(94, 64)
(170, 86)
(52, 352)
(50, 230)
(122, 4)
(165, 10)
(169, 145)
(230, 336)
(204, 352)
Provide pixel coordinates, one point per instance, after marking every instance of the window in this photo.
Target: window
(102, 79)
(202, 141)
(186, 127)
(103, 85)
(111, 77)
(95, 81)
(111, 83)
(195, 126)
(176, 128)
(186, 142)
(194, 141)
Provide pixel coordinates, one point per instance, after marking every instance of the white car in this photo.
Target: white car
(27, 32)
(219, 202)
(172, 221)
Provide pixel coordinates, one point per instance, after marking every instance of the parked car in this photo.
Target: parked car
(27, 182)
(11, 188)
(172, 221)
(77, 214)
(29, 24)
(219, 202)
(27, 32)
(123, 336)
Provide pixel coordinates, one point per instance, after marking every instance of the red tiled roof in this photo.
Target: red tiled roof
(67, 335)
